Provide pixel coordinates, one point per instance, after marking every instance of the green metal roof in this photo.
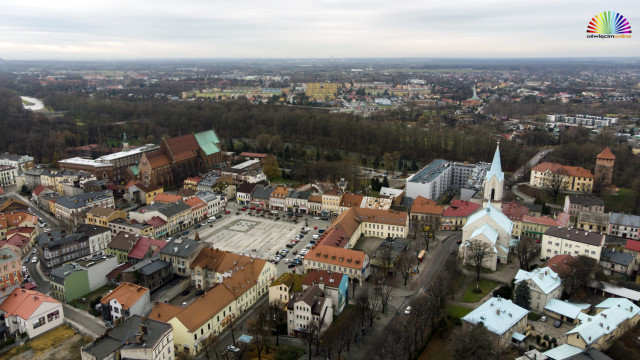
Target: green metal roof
(207, 141)
(134, 169)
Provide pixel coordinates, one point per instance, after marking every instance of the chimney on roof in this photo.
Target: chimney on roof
(497, 311)
(143, 329)
(139, 338)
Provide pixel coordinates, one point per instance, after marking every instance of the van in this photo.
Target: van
(211, 219)
(316, 236)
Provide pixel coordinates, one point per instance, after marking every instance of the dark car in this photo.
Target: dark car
(185, 233)
(199, 292)
(108, 324)
(289, 214)
(197, 226)
(292, 265)
(185, 292)
(290, 245)
(218, 216)
(298, 215)
(557, 324)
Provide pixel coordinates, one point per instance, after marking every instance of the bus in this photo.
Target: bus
(421, 255)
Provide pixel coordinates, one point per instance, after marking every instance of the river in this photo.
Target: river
(37, 104)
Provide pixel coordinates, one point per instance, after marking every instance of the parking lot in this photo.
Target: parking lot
(251, 235)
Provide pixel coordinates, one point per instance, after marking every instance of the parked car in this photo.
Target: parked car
(316, 236)
(315, 227)
(185, 233)
(108, 324)
(259, 209)
(304, 252)
(233, 349)
(290, 245)
(227, 212)
(218, 216)
(244, 209)
(292, 265)
(274, 211)
(557, 324)
(199, 292)
(34, 260)
(316, 218)
(289, 213)
(321, 231)
(252, 208)
(197, 226)
(298, 215)
(407, 310)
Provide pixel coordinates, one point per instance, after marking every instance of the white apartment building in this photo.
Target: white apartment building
(307, 307)
(561, 240)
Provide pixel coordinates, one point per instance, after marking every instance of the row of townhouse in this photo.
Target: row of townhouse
(57, 247)
(238, 289)
(329, 200)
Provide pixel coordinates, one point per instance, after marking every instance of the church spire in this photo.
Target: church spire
(494, 180)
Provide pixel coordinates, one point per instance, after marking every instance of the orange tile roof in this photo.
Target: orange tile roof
(315, 198)
(390, 217)
(334, 237)
(15, 219)
(540, 220)
(280, 192)
(351, 200)
(164, 312)
(219, 296)
(423, 205)
(347, 221)
(337, 256)
(195, 202)
(167, 198)
(606, 154)
(126, 294)
(10, 202)
(23, 303)
(570, 170)
(563, 265)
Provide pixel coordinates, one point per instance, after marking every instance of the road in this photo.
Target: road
(531, 163)
(432, 269)
(84, 319)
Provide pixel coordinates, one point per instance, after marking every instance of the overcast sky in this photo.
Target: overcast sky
(116, 29)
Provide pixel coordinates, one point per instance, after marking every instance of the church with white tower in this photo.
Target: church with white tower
(489, 224)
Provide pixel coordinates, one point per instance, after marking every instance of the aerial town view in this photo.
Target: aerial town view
(319, 180)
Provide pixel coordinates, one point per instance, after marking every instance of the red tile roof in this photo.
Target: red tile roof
(115, 273)
(514, 210)
(38, 189)
(351, 200)
(633, 245)
(23, 303)
(143, 246)
(606, 154)
(181, 148)
(563, 265)
(155, 221)
(157, 159)
(460, 208)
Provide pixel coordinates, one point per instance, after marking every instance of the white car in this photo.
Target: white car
(407, 310)
(233, 349)
(304, 252)
(274, 211)
(316, 218)
(34, 251)
(34, 260)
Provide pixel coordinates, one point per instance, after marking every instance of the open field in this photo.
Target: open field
(61, 343)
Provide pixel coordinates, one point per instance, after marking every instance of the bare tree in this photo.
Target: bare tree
(477, 252)
(209, 344)
(580, 276)
(373, 304)
(259, 328)
(526, 251)
(383, 291)
(556, 182)
(312, 335)
(471, 343)
(405, 264)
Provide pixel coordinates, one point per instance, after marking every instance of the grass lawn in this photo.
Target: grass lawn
(26, 102)
(279, 180)
(282, 352)
(458, 311)
(620, 202)
(59, 343)
(485, 285)
(436, 350)
(482, 270)
(98, 293)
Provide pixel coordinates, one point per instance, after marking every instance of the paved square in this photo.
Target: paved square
(250, 235)
(242, 225)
